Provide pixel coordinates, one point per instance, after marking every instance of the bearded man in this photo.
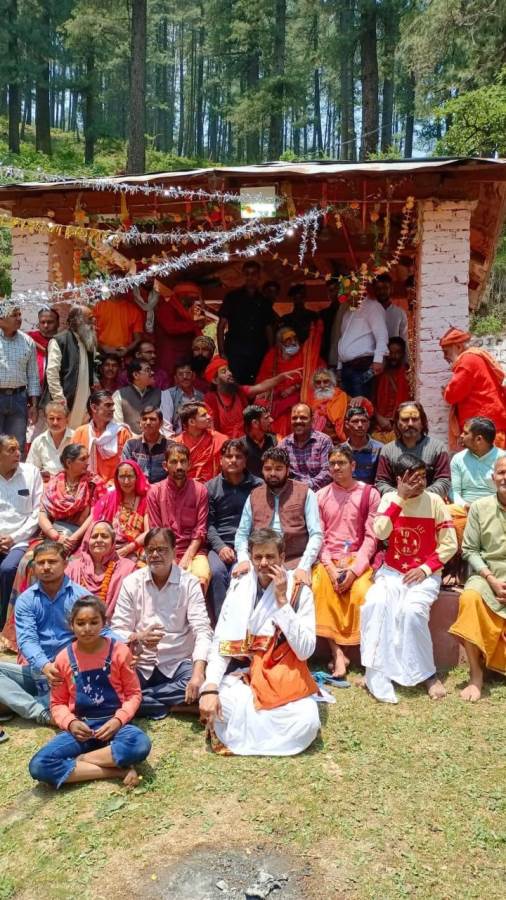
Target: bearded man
(69, 371)
(475, 387)
(226, 400)
(329, 405)
(286, 356)
(391, 389)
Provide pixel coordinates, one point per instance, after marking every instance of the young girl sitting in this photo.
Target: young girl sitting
(98, 695)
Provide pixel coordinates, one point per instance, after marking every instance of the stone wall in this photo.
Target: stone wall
(30, 269)
(494, 344)
(442, 298)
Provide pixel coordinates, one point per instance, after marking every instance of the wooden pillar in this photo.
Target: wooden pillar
(442, 298)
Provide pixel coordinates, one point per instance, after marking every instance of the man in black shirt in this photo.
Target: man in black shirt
(249, 318)
(228, 493)
(258, 436)
(149, 450)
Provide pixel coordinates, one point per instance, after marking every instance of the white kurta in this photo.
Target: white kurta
(395, 641)
(247, 731)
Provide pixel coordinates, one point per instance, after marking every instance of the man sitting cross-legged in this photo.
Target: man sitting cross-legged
(228, 493)
(287, 506)
(42, 630)
(162, 612)
(342, 578)
(247, 720)
(181, 503)
(481, 623)
(395, 639)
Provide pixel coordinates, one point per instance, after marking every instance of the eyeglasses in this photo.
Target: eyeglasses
(157, 550)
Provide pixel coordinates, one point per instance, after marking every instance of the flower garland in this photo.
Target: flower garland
(104, 587)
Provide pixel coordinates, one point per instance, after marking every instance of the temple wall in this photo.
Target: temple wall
(30, 269)
(442, 298)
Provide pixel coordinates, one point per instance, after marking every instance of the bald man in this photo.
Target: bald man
(476, 384)
(308, 449)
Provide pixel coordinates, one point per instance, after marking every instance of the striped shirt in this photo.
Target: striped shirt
(309, 462)
(18, 363)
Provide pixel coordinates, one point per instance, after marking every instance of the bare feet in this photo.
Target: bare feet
(132, 779)
(339, 663)
(472, 692)
(435, 688)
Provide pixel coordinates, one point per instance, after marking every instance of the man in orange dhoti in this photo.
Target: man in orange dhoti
(344, 575)
(329, 404)
(481, 623)
(392, 388)
(202, 441)
(475, 387)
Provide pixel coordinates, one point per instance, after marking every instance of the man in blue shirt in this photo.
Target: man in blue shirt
(472, 469)
(42, 629)
(365, 450)
(228, 493)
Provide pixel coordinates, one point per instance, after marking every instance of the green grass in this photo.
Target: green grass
(391, 802)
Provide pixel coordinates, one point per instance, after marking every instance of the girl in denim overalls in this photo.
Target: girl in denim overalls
(98, 695)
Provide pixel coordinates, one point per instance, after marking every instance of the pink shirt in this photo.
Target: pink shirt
(182, 509)
(339, 513)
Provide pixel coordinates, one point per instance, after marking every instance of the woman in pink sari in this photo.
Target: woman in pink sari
(98, 567)
(125, 509)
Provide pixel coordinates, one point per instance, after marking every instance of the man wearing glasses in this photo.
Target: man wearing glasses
(140, 391)
(161, 612)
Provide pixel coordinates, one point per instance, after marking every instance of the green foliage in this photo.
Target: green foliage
(477, 122)
(491, 323)
(5, 261)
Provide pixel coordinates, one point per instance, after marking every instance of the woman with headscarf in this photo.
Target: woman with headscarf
(125, 508)
(65, 512)
(98, 566)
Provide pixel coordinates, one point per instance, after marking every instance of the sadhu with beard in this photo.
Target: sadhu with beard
(69, 369)
(226, 400)
(329, 404)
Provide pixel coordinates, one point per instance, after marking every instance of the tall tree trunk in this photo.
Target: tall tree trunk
(410, 116)
(136, 157)
(278, 88)
(317, 124)
(180, 137)
(346, 78)
(369, 76)
(391, 37)
(14, 92)
(253, 154)
(42, 111)
(89, 109)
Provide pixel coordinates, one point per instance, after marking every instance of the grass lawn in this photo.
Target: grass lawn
(405, 801)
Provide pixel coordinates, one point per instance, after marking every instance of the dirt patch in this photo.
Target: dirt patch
(236, 874)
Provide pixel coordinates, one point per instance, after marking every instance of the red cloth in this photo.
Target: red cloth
(174, 332)
(123, 679)
(41, 343)
(130, 525)
(454, 336)
(81, 570)
(182, 509)
(392, 388)
(217, 363)
(204, 453)
(227, 411)
(475, 388)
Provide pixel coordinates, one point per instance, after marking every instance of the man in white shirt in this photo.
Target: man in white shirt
(161, 610)
(20, 496)
(362, 347)
(46, 449)
(395, 317)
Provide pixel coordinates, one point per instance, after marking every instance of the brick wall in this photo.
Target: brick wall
(442, 298)
(30, 269)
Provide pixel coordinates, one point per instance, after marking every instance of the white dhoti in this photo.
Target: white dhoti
(395, 641)
(247, 731)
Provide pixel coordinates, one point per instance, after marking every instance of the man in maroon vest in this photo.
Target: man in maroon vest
(287, 506)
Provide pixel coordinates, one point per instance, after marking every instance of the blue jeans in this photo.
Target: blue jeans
(14, 416)
(23, 689)
(160, 692)
(355, 383)
(220, 581)
(9, 563)
(55, 762)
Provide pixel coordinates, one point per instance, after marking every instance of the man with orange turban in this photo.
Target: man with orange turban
(475, 387)
(175, 324)
(226, 400)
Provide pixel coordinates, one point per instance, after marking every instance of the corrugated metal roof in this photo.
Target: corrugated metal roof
(284, 169)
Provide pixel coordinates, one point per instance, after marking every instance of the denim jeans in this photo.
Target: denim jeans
(57, 760)
(9, 563)
(14, 416)
(355, 383)
(159, 692)
(220, 581)
(21, 689)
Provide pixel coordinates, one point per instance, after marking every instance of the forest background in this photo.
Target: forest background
(111, 86)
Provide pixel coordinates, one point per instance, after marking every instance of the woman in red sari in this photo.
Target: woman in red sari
(65, 512)
(125, 509)
(98, 567)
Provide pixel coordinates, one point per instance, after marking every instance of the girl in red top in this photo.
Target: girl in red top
(98, 695)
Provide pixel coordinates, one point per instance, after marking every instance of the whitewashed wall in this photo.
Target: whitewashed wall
(494, 344)
(30, 269)
(442, 298)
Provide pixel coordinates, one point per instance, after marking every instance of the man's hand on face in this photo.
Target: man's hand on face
(241, 568)
(280, 584)
(408, 485)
